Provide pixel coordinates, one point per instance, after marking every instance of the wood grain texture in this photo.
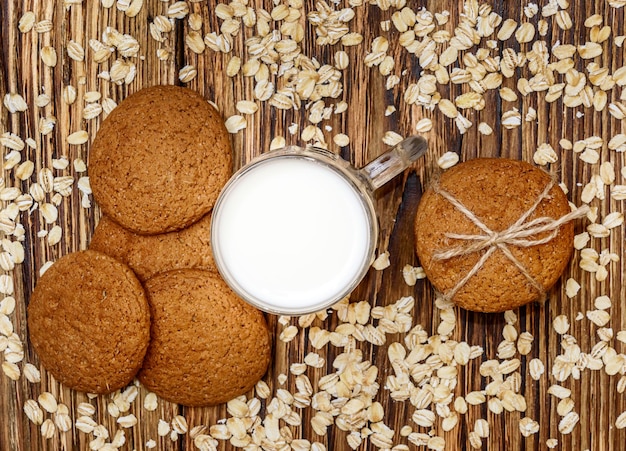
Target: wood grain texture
(595, 394)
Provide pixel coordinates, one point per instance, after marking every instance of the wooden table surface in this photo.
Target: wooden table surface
(597, 394)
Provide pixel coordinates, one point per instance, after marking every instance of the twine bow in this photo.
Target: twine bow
(519, 234)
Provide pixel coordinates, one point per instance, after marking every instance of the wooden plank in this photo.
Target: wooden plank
(596, 397)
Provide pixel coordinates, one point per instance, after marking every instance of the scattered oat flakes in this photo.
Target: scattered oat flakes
(484, 129)
(412, 274)
(247, 107)
(288, 333)
(536, 368)
(187, 73)
(511, 119)
(381, 262)
(48, 56)
(392, 138)
(341, 139)
(78, 138)
(568, 422)
(528, 426)
(15, 103)
(235, 123)
(447, 160)
(571, 288)
(26, 22)
(424, 125)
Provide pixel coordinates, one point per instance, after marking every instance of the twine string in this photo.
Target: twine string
(519, 234)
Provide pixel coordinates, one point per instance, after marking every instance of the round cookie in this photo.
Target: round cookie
(89, 322)
(149, 255)
(159, 160)
(498, 192)
(208, 346)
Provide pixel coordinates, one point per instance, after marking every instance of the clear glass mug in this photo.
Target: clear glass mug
(295, 230)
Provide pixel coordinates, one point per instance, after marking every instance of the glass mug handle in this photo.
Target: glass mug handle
(394, 161)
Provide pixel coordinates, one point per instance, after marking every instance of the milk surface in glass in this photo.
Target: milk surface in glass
(292, 232)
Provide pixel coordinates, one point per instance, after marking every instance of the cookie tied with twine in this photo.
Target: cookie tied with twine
(494, 234)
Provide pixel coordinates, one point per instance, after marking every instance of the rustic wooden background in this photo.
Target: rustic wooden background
(595, 395)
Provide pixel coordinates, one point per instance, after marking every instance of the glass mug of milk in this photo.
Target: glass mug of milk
(294, 231)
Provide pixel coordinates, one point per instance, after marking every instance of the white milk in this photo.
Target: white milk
(292, 233)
